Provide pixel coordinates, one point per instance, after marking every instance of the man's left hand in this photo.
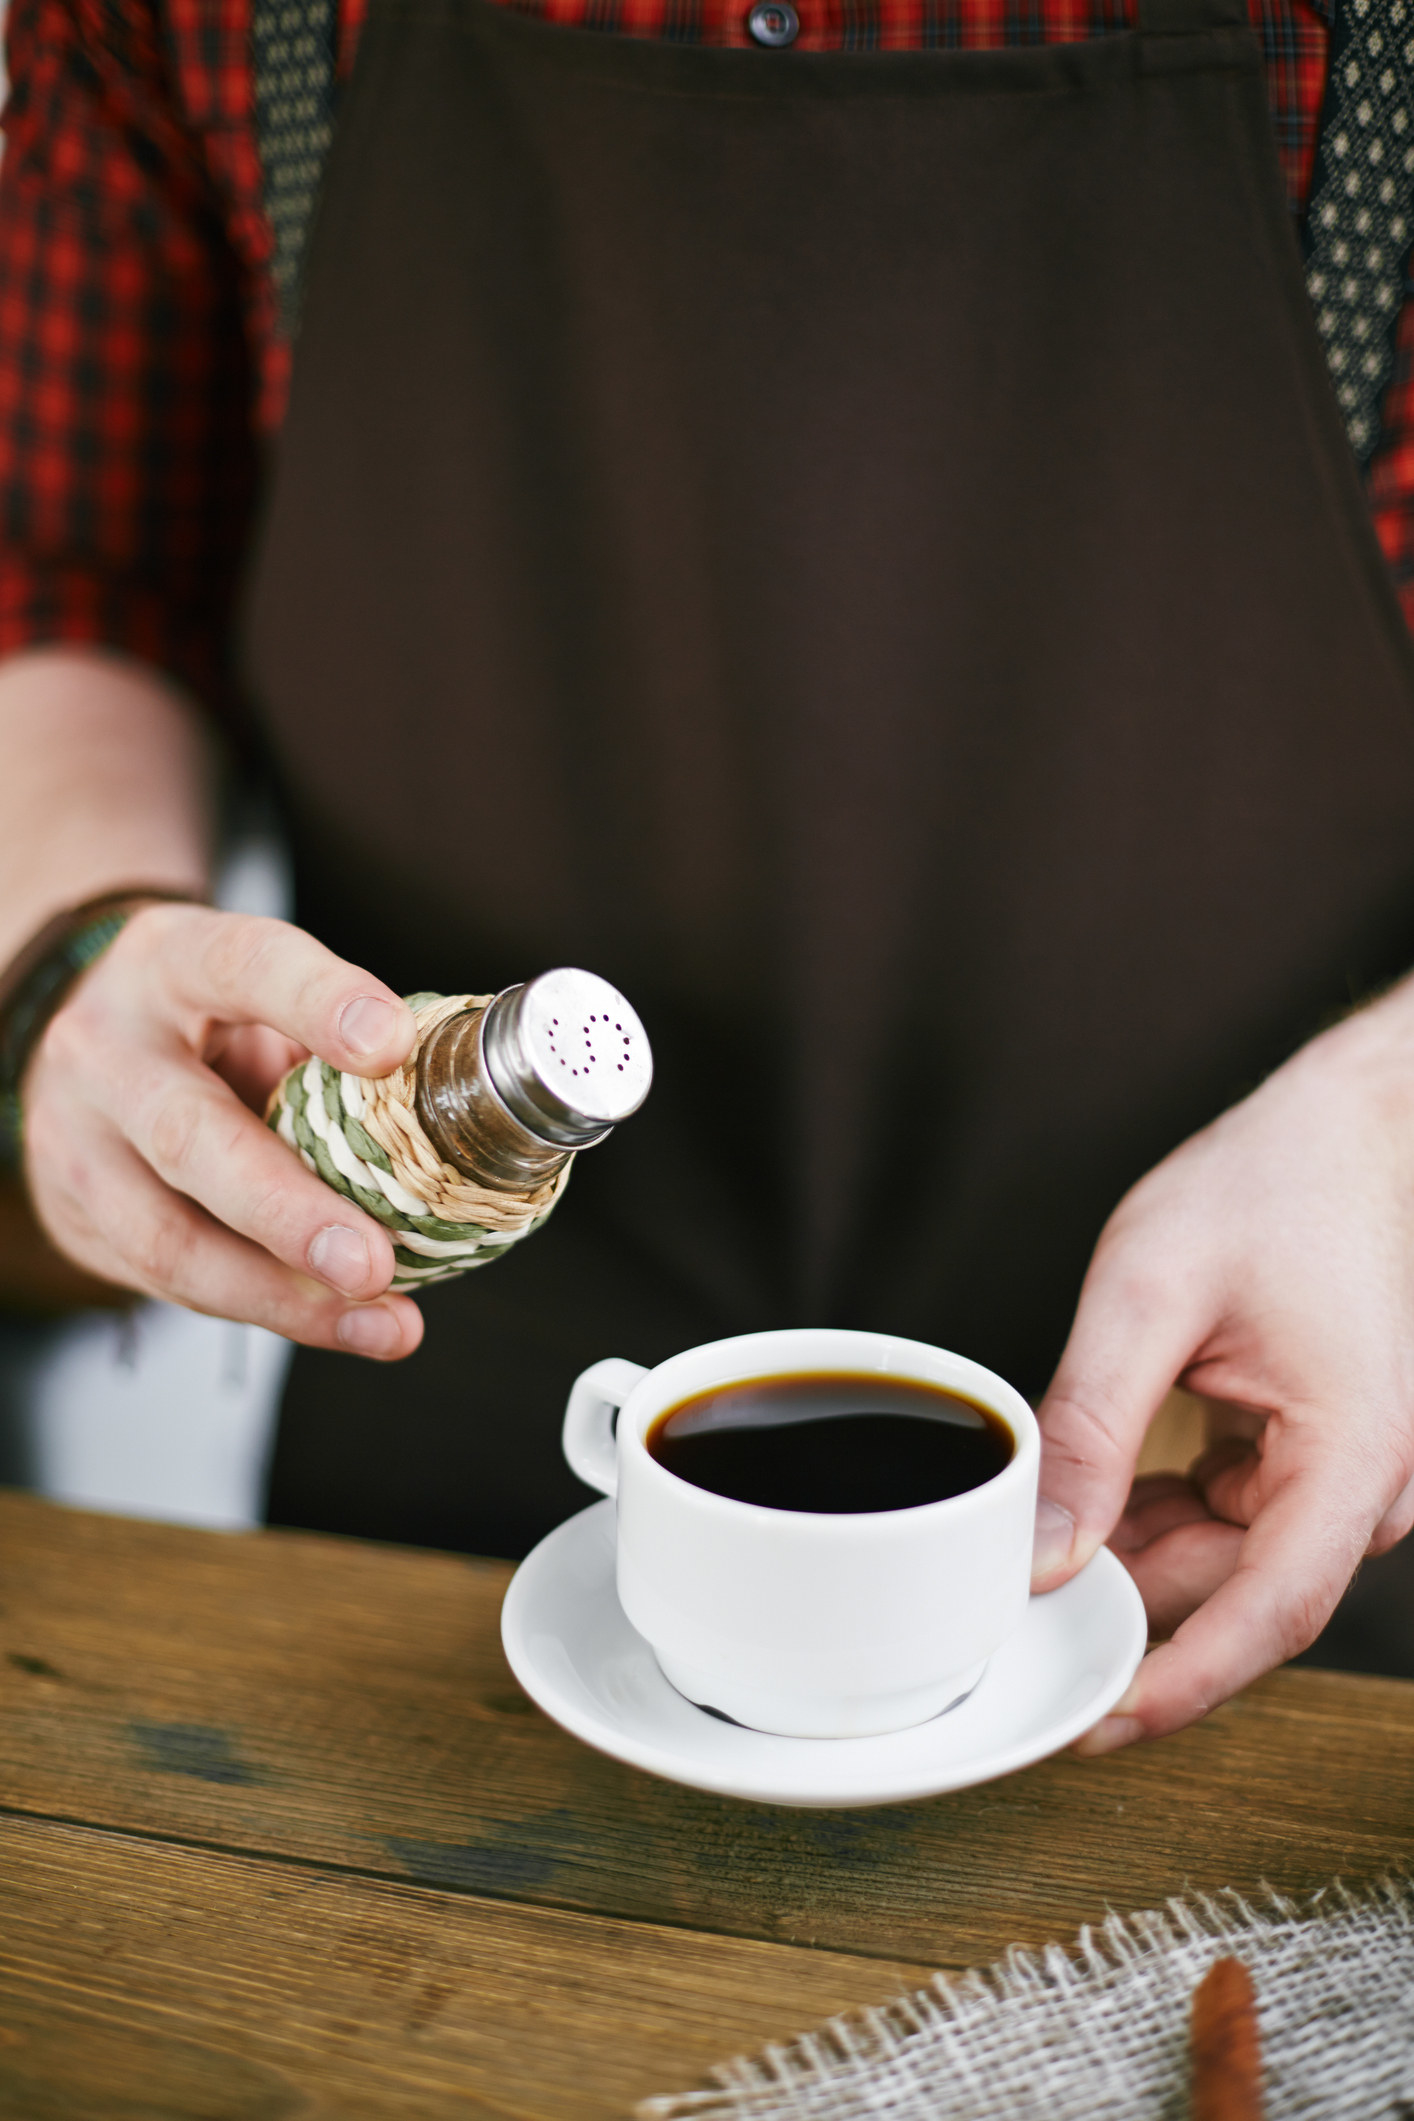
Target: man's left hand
(1268, 1265)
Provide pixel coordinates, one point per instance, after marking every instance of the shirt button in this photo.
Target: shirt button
(774, 23)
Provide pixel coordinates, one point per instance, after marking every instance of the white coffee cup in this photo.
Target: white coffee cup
(812, 1626)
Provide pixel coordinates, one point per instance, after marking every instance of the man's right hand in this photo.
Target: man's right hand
(147, 1159)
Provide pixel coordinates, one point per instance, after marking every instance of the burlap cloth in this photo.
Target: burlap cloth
(1102, 2030)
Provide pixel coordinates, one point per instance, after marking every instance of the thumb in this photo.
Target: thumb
(1133, 1336)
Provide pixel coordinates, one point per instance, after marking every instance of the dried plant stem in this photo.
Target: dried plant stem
(1225, 2046)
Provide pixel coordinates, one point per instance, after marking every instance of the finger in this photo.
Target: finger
(1292, 1566)
(1172, 1547)
(1229, 1478)
(1133, 1334)
(1175, 1572)
(122, 1221)
(1158, 1502)
(253, 1059)
(241, 968)
(203, 1142)
(1397, 1522)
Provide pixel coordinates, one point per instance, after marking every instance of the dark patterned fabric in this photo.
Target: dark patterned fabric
(293, 46)
(143, 246)
(1362, 206)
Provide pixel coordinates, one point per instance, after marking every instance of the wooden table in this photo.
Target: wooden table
(279, 1836)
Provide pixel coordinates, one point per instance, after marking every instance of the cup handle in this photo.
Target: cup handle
(588, 1434)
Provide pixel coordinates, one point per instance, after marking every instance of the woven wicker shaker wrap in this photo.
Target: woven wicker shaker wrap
(363, 1137)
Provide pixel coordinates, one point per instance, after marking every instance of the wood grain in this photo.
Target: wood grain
(143, 1980)
(348, 1706)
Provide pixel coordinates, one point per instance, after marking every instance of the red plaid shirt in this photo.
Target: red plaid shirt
(140, 362)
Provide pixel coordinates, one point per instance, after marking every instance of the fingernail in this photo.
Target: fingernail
(340, 1255)
(372, 1330)
(1109, 1734)
(367, 1024)
(1055, 1536)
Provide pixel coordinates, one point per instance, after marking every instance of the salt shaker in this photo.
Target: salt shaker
(466, 1148)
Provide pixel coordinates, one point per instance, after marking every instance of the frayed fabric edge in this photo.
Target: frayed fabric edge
(1100, 1955)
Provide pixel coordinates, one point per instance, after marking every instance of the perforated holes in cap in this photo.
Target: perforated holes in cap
(586, 1045)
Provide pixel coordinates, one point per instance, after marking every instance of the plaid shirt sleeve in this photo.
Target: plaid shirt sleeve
(127, 453)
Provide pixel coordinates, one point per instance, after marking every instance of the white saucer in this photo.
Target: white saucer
(575, 1654)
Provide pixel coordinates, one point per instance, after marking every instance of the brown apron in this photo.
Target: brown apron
(861, 550)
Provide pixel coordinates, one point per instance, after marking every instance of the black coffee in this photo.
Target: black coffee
(831, 1442)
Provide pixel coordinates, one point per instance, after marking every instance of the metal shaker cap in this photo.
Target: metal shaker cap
(567, 1056)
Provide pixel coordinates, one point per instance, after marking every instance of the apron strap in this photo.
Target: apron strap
(1173, 18)
(293, 57)
(1360, 214)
